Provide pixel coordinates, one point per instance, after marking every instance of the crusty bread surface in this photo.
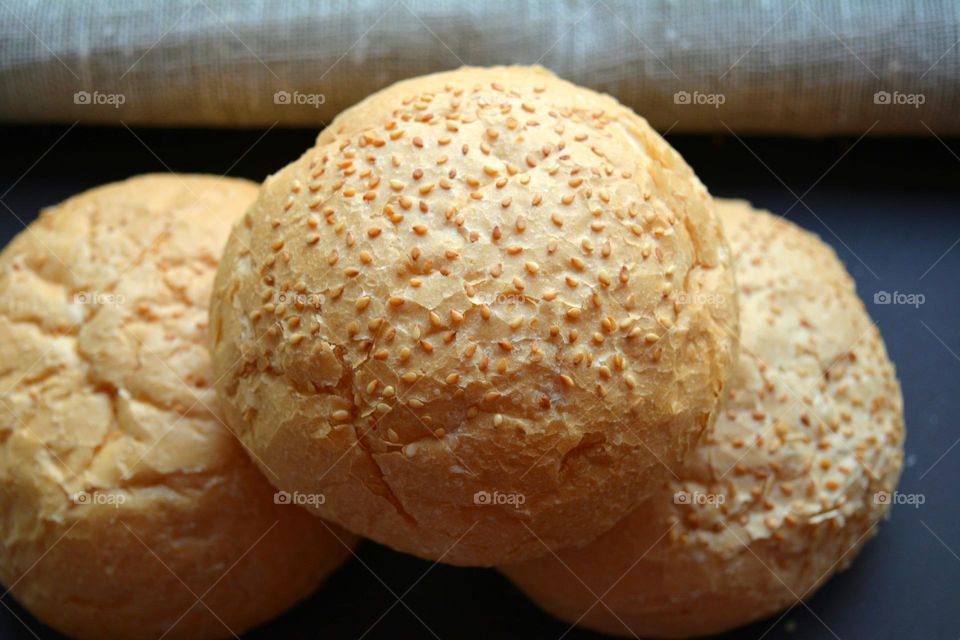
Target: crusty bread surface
(127, 508)
(482, 316)
(788, 485)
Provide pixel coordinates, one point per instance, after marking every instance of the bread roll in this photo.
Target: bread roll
(788, 485)
(123, 497)
(479, 317)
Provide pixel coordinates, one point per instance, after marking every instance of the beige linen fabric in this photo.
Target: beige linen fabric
(804, 67)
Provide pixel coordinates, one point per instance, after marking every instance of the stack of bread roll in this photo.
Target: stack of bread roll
(490, 319)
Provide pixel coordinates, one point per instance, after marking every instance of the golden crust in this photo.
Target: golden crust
(118, 479)
(811, 430)
(442, 300)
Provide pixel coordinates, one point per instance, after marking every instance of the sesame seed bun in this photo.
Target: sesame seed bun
(123, 496)
(783, 491)
(430, 317)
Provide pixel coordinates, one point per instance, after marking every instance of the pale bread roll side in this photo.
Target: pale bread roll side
(786, 488)
(123, 496)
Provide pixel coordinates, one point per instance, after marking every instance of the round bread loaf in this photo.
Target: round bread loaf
(786, 487)
(127, 509)
(480, 317)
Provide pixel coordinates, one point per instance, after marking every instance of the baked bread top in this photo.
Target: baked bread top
(485, 284)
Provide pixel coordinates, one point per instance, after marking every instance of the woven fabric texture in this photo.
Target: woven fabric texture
(795, 67)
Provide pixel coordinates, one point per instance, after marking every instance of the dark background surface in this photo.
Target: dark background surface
(891, 209)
